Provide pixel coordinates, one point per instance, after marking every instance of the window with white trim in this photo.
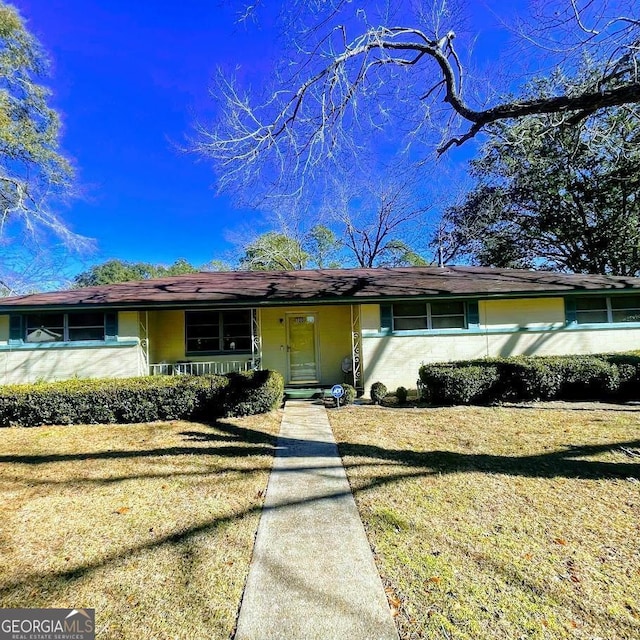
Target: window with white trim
(217, 331)
(409, 316)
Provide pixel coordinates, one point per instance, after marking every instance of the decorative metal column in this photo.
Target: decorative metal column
(256, 340)
(356, 346)
(143, 322)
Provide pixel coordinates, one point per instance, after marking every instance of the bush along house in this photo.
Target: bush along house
(315, 327)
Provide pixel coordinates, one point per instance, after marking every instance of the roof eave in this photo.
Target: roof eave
(311, 301)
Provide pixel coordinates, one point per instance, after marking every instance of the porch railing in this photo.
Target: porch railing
(199, 368)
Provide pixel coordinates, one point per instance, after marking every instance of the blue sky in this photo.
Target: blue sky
(129, 80)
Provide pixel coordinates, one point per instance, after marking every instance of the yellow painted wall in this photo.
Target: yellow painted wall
(370, 317)
(523, 313)
(4, 329)
(128, 325)
(334, 339)
(166, 336)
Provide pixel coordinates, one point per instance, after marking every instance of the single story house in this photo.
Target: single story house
(316, 327)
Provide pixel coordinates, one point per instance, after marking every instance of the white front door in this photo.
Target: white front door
(302, 347)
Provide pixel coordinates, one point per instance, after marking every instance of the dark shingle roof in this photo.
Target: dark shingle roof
(322, 285)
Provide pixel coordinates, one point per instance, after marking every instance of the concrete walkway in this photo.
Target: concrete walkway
(312, 574)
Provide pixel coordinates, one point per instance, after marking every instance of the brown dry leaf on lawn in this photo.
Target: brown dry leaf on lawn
(122, 510)
(393, 599)
(560, 541)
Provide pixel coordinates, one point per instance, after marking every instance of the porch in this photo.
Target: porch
(311, 346)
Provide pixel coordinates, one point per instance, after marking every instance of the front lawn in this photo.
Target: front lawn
(501, 522)
(152, 525)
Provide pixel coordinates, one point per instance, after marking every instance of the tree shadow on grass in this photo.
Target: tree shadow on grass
(264, 442)
(566, 463)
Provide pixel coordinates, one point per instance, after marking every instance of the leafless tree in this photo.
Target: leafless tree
(413, 77)
(26, 267)
(382, 219)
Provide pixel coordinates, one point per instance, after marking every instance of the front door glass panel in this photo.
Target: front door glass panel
(303, 364)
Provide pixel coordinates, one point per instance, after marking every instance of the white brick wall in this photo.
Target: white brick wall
(61, 363)
(395, 360)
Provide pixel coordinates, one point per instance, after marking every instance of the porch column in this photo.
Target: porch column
(356, 347)
(256, 340)
(143, 329)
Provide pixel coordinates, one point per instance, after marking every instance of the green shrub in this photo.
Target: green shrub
(143, 399)
(253, 392)
(449, 384)
(350, 394)
(402, 394)
(378, 392)
(628, 365)
(527, 378)
(587, 377)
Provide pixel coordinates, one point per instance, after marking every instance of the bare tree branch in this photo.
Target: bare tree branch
(307, 123)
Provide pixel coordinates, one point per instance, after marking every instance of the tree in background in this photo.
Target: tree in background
(114, 271)
(557, 197)
(33, 172)
(381, 217)
(323, 247)
(273, 251)
(318, 248)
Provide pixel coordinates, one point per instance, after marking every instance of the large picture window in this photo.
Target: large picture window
(64, 327)
(429, 315)
(605, 309)
(218, 331)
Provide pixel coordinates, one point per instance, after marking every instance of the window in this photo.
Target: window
(86, 326)
(429, 315)
(218, 331)
(410, 316)
(607, 309)
(44, 327)
(625, 309)
(591, 310)
(66, 327)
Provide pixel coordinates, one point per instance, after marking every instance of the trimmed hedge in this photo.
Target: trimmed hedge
(592, 377)
(449, 384)
(253, 392)
(144, 399)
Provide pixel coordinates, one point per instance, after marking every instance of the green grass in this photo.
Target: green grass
(152, 525)
(501, 522)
